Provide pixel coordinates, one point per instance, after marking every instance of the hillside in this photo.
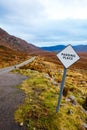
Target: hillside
(14, 50)
(9, 57)
(11, 47)
(80, 64)
(15, 43)
(52, 58)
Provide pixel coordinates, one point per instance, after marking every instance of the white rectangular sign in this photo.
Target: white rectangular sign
(68, 56)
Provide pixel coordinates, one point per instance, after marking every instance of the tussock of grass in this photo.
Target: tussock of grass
(39, 109)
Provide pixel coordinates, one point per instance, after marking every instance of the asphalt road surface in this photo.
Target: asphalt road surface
(10, 97)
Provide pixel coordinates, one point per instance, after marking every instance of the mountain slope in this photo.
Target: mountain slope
(14, 50)
(9, 57)
(15, 43)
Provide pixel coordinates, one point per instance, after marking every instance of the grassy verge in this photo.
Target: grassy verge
(39, 109)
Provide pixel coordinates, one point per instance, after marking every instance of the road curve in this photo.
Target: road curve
(8, 69)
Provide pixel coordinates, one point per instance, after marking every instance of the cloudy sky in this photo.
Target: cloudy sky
(45, 22)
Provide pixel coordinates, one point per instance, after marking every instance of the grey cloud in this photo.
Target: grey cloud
(67, 30)
(27, 20)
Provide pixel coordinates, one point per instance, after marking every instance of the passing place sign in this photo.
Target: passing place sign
(68, 56)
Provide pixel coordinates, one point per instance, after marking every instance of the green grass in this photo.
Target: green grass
(39, 109)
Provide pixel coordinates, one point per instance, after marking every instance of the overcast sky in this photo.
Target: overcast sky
(45, 22)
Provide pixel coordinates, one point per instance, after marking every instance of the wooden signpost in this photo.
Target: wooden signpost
(68, 56)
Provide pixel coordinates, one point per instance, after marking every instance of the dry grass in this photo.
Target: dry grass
(51, 57)
(10, 57)
(39, 109)
(42, 89)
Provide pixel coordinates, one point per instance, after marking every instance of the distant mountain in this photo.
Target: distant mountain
(53, 48)
(78, 48)
(15, 43)
(81, 48)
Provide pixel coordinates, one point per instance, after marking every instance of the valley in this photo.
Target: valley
(41, 84)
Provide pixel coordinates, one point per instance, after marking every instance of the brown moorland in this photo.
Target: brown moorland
(82, 63)
(51, 57)
(9, 57)
(42, 90)
(14, 50)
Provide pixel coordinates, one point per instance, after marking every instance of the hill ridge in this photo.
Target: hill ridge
(16, 43)
(57, 48)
